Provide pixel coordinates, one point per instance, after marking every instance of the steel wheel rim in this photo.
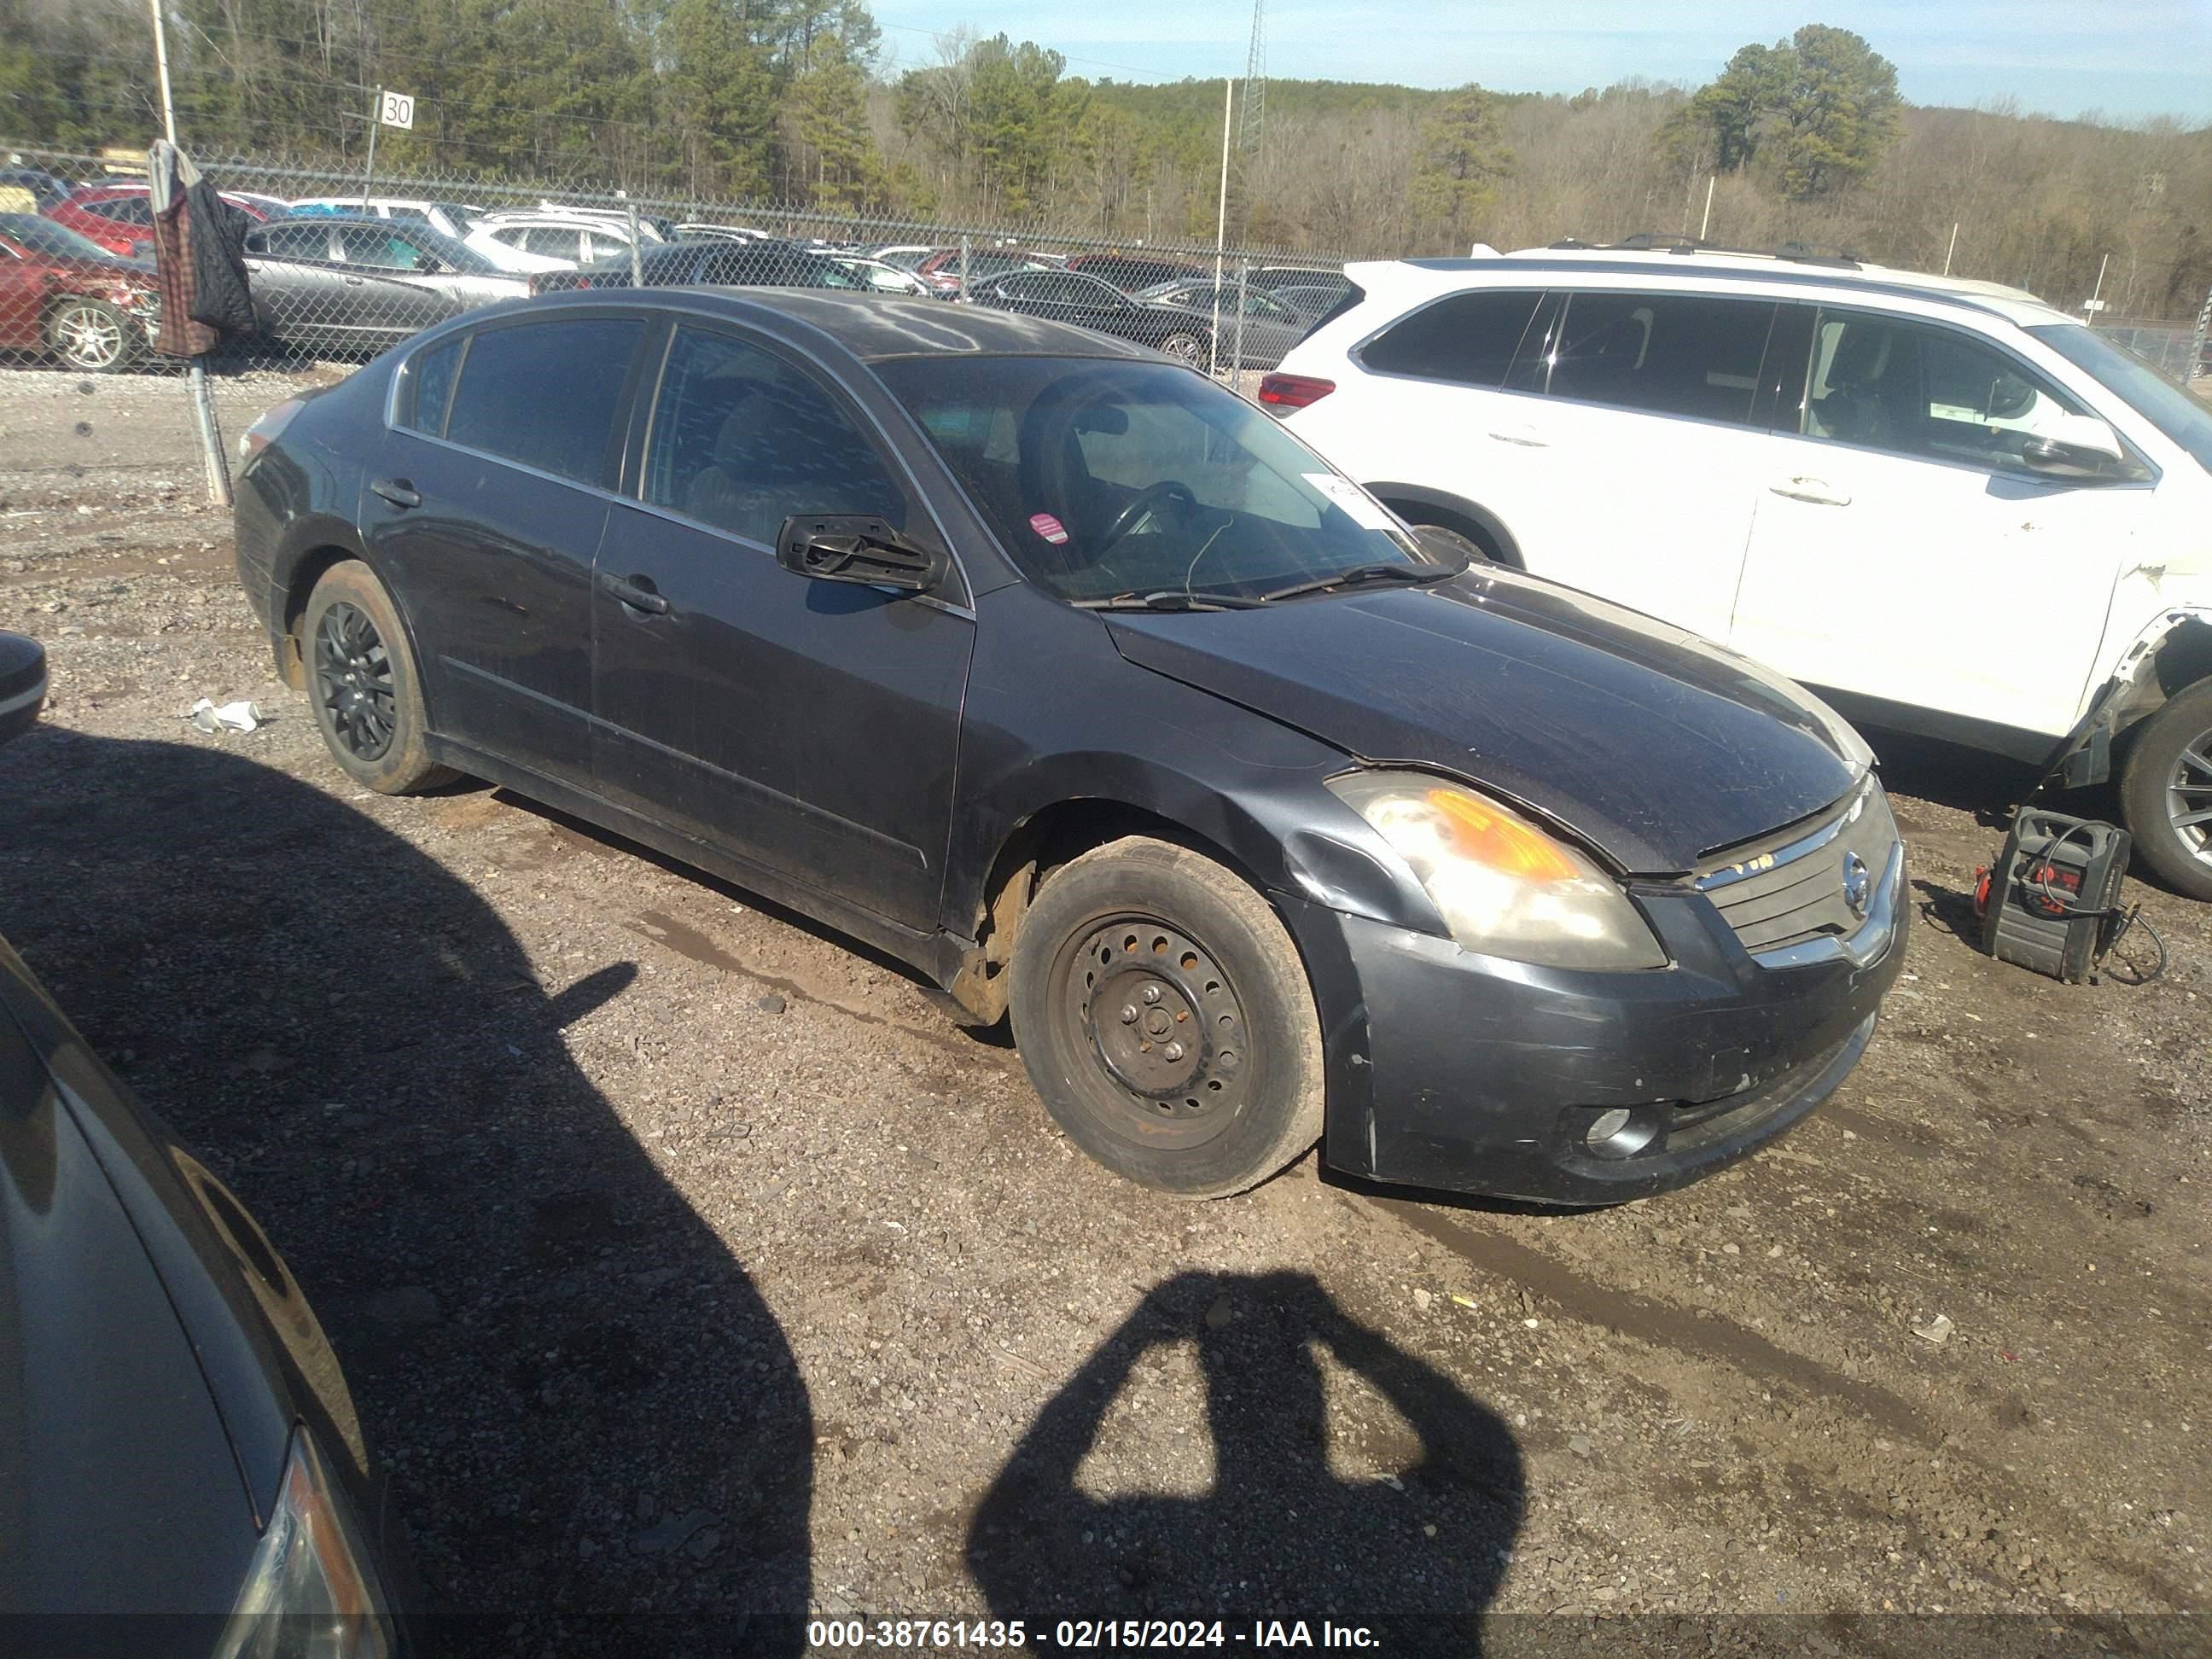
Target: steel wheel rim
(354, 685)
(1157, 1028)
(2188, 797)
(89, 336)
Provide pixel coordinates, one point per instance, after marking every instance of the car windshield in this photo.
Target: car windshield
(2149, 392)
(1106, 478)
(42, 236)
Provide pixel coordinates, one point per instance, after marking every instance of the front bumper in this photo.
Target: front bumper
(1452, 1070)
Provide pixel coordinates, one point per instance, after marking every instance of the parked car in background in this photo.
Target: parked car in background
(691, 264)
(904, 255)
(1065, 296)
(452, 219)
(63, 294)
(1855, 474)
(941, 270)
(177, 1437)
(879, 277)
(120, 218)
(1275, 278)
(45, 188)
(1315, 303)
(1130, 272)
(1242, 761)
(1254, 327)
(525, 242)
(696, 231)
(356, 286)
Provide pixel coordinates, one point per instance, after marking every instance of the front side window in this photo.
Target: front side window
(305, 242)
(741, 440)
(379, 250)
(1103, 478)
(123, 210)
(1666, 354)
(1912, 389)
(1468, 339)
(546, 394)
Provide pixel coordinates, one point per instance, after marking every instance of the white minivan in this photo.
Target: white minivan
(1944, 506)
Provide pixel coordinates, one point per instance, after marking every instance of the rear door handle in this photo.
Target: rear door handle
(1818, 491)
(397, 491)
(1525, 436)
(636, 592)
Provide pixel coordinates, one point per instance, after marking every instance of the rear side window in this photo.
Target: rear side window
(1468, 339)
(554, 241)
(1669, 354)
(296, 242)
(546, 394)
(741, 440)
(429, 385)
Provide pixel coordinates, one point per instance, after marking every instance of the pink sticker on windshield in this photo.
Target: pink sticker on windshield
(1048, 527)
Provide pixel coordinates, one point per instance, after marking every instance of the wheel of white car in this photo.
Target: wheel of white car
(2166, 791)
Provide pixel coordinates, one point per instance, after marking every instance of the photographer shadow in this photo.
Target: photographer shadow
(1280, 1534)
(598, 1434)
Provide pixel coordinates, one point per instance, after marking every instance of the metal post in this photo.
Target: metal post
(217, 465)
(1952, 249)
(1243, 287)
(2097, 295)
(1706, 223)
(636, 244)
(964, 265)
(2195, 366)
(1221, 224)
(161, 68)
(375, 120)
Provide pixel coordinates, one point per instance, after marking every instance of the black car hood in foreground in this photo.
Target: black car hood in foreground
(1654, 746)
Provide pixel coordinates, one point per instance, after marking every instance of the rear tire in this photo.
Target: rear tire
(1185, 347)
(2168, 776)
(1166, 1021)
(361, 679)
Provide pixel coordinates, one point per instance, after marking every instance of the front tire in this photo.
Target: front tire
(363, 680)
(1185, 347)
(2168, 783)
(92, 337)
(1166, 1021)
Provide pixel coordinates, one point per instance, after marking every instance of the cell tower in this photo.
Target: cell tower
(1251, 120)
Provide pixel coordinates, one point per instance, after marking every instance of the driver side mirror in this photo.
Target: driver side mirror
(857, 547)
(2074, 445)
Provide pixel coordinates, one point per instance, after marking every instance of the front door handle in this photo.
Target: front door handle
(353, 282)
(1525, 436)
(637, 593)
(1818, 491)
(397, 491)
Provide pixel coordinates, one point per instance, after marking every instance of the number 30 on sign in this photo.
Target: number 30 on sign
(397, 110)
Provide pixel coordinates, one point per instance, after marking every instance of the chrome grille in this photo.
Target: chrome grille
(1790, 889)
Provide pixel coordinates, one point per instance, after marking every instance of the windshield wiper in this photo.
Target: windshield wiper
(1380, 571)
(1170, 599)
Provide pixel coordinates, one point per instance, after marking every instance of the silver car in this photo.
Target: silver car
(348, 284)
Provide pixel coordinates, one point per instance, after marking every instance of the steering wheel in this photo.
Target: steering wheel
(1147, 499)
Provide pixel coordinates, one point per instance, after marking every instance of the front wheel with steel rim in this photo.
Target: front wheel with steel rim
(92, 335)
(1165, 1019)
(361, 679)
(2165, 792)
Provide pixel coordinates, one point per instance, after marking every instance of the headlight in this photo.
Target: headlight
(311, 1592)
(1503, 887)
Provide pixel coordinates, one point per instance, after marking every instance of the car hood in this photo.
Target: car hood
(1657, 747)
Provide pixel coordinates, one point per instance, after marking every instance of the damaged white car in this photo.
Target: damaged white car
(1943, 504)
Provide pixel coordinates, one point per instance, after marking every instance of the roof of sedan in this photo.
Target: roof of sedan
(877, 326)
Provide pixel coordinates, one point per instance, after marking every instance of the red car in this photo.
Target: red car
(63, 294)
(941, 270)
(119, 218)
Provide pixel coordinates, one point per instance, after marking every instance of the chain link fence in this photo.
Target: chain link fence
(346, 265)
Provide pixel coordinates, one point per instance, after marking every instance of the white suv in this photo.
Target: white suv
(1941, 504)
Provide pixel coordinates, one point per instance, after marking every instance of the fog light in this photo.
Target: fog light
(1621, 1130)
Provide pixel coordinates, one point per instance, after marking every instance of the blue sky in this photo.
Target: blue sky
(2130, 58)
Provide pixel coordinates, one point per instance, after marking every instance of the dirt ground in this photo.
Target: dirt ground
(685, 1260)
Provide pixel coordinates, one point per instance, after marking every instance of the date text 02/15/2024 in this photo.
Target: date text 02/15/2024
(896, 1634)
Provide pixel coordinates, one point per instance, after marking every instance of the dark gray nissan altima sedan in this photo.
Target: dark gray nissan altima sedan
(1063, 674)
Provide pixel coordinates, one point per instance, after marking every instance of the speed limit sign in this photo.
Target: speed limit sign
(397, 110)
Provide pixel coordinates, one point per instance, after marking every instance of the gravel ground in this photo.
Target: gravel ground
(685, 1260)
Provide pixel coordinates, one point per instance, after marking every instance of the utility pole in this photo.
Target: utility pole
(161, 69)
(2097, 295)
(2195, 366)
(1706, 223)
(1221, 216)
(375, 120)
(1952, 249)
